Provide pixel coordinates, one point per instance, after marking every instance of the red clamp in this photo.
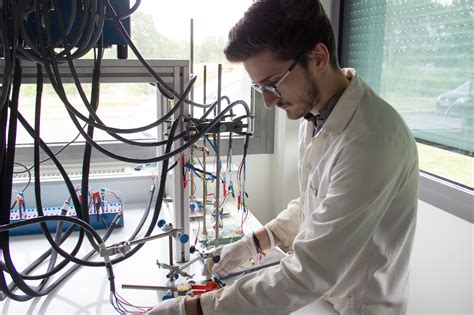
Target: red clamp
(97, 199)
(21, 204)
(197, 289)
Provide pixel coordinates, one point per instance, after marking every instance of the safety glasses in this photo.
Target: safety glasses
(272, 88)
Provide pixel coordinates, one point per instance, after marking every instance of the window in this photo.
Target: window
(418, 55)
(127, 100)
(115, 110)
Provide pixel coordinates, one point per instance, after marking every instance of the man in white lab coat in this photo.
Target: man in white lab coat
(350, 231)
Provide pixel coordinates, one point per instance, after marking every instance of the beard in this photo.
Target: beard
(307, 101)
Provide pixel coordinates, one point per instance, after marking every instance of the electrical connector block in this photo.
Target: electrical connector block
(99, 219)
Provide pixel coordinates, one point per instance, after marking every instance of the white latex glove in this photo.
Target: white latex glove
(174, 306)
(234, 255)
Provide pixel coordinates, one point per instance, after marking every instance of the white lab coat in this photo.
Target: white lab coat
(351, 230)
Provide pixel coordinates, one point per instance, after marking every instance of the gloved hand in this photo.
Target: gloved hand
(174, 306)
(234, 255)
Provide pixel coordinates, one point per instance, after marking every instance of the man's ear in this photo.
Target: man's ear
(319, 56)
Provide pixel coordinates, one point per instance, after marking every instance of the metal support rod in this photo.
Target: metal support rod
(218, 156)
(123, 247)
(191, 56)
(170, 242)
(204, 193)
(190, 262)
(204, 183)
(180, 192)
(154, 237)
(204, 84)
(191, 109)
(148, 287)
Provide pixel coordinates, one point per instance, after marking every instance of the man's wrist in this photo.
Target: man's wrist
(264, 238)
(256, 243)
(192, 306)
(198, 306)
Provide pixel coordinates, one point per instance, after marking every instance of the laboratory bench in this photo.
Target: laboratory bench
(441, 278)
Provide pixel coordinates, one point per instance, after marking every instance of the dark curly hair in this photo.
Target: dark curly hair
(288, 28)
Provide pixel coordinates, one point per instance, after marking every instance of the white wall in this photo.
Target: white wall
(259, 185)
(285, 163)
(441, 275)
(272, 179)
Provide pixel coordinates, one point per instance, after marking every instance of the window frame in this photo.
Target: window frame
(451, 197)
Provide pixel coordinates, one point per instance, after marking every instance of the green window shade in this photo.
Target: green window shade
(418, 55)
(364, 39)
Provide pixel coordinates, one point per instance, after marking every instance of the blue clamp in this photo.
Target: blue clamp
(161, 223)
(168, 295)
(183, 238)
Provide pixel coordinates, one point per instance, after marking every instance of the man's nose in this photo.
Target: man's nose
(269, 100)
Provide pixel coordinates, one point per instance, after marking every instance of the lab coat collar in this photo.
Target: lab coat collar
(347, 104)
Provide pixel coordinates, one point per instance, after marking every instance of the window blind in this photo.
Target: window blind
(418, 55)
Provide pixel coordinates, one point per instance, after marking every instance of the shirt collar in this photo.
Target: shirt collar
(327, 109)
(319, 120)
